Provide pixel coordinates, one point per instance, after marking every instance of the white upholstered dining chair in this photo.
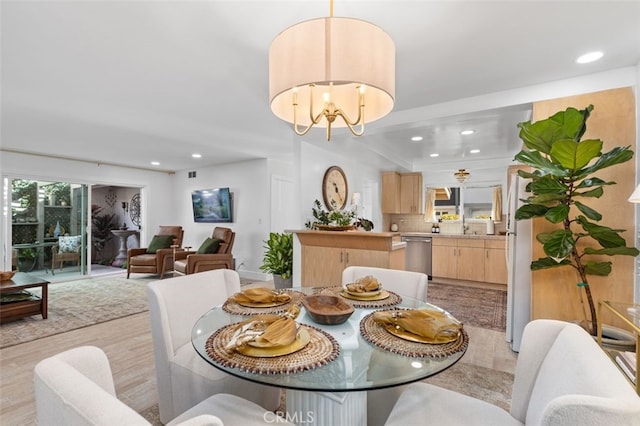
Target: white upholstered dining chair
(76, 388)
(405, 283)
(562, 378)
(184, 378)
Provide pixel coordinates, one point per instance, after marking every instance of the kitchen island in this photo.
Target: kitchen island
(321, 256)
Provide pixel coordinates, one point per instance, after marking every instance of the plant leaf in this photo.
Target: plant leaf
(529, 211)
(612, 251)
(591, 182)
(557, 244)
(597, 268)
(548, 185)
(575, 155)
(546, 198)
(535, 159)
(557, 214)
(617, 155)
(594, 193)
(546, 263)
(588, 211)
(605, 236)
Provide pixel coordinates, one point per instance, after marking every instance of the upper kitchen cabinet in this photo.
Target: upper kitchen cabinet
(401, 192)
(390, 192)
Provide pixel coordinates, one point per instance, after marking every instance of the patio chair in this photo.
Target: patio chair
(67, 250)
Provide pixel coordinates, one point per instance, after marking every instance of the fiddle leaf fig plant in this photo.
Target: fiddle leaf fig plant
(562, 185)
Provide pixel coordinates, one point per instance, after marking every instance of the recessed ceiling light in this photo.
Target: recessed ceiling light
(474, 151)
(155, 163)
(589, 57)
(467, 132)
(196, 155)
(416, 138)
(434, 155)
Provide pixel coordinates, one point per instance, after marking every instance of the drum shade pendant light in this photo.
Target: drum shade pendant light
(461, 175)
(327, 68)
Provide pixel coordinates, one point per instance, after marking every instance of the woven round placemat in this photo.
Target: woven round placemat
(321, 349)
(392, 300)
(235, 308)
(377, 335)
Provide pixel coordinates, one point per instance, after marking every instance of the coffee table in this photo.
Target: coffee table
(32, 306)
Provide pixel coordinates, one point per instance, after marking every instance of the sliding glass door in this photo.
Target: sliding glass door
(48, 223)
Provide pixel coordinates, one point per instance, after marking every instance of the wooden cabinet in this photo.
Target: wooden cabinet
(401, 192)
(443, 258)
(469, 259)
(325, 254)
(495, 266)
(323, 266)
(390, 192)
(410, 193)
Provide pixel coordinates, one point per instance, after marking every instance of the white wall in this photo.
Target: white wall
(248, 181)
(157, 203)
(361, 178)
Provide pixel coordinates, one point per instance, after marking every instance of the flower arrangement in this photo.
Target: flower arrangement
(334, 217)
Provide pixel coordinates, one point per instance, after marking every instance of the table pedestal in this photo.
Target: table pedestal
(327, 408)
(123, 235)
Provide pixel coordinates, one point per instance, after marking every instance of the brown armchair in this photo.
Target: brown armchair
(140, 260)
(191, 262)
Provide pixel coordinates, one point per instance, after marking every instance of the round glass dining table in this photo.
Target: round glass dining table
(338, 387)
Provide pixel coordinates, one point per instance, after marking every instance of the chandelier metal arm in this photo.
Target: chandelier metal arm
(329, 112)
(314, 121)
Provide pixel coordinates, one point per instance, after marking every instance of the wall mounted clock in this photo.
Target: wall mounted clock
(334, 188)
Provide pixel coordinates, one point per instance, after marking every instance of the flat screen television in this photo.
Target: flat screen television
(212, 205)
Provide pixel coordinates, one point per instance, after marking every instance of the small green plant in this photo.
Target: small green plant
(561, 184)
(278, 258)
(334, 217)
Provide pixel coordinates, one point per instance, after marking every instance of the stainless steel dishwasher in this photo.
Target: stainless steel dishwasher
(418, 254)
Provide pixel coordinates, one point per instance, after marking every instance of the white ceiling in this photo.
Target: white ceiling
(128, 82)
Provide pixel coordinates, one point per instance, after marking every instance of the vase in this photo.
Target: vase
(56, 232)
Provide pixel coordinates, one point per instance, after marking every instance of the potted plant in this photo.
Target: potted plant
(562, 183)
(278, 259)
(101, 226)
(341, 219)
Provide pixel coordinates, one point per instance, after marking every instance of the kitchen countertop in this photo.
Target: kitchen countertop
(469, 236)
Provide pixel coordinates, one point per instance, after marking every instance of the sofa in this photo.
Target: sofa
(562, 378)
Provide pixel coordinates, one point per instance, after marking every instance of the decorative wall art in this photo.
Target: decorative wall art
(134, 209)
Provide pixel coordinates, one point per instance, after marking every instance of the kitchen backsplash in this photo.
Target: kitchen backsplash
(416, 223)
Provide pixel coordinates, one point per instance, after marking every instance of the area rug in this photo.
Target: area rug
(479, 307)
(80, 303)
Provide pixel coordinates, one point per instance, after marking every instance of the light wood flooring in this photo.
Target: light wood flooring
(127, 342)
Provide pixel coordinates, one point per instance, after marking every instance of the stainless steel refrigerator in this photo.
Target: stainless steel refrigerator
(518, 265)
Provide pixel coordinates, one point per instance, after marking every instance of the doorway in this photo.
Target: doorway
(48, 223)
